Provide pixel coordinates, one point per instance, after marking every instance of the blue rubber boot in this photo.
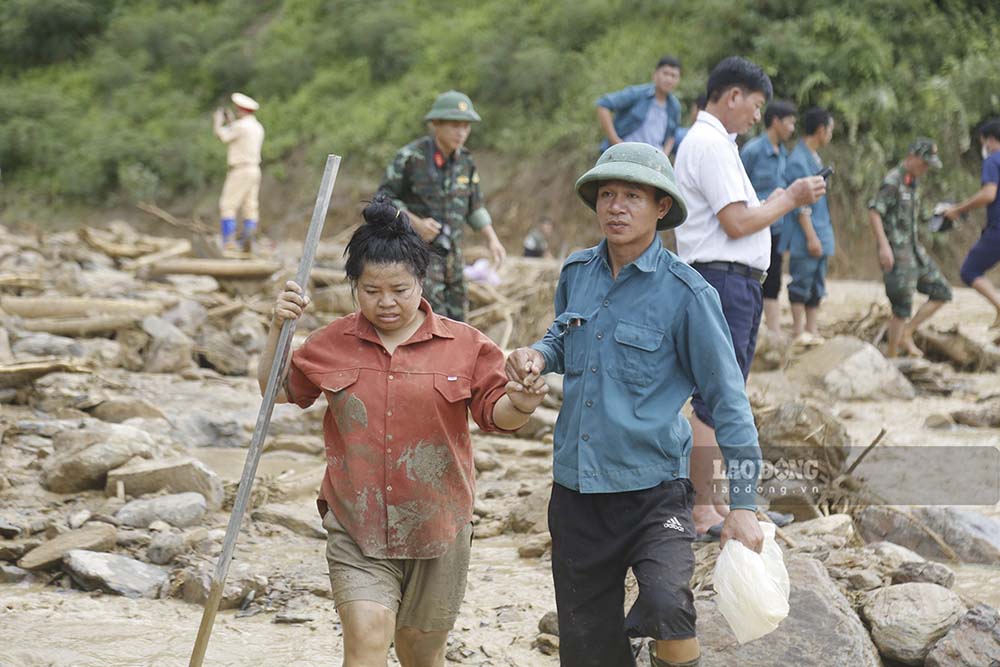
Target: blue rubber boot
(228, 227)
(247, 235)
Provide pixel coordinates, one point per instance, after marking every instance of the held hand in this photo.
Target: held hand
(291, 302)
(952, 213)
(814, 247)
(524, 363)
(885, 258)
(742, 526)
(497, 252)
(217, 117)
(427, 228)
(808, 190)
(526, 397)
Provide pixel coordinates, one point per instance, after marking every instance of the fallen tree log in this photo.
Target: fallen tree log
(239, 269)
(177, 249)
(51, 306)
(78, 327)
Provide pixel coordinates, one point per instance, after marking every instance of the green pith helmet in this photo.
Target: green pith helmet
(452, 105)
(926, 150)
(635, 163)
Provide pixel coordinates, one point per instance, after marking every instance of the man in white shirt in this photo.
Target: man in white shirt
(244, 138)
(727, 234)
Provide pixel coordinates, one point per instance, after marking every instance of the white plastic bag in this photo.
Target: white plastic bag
(752, 587)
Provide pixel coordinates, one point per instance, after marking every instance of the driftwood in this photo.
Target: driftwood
(110, 245)
(19, 374)
(956, 348)
(254, 269)
(79, 327)
(177, 249)
(321, 277)
(52, 306)
(21, 280)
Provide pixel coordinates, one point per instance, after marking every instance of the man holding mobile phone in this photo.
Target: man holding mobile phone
(807, 234)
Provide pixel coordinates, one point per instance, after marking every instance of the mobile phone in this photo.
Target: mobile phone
(826, 172)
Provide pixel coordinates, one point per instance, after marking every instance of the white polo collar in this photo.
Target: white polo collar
(705, 117)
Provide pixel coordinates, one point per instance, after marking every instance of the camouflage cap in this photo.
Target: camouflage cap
(452, 105)
(926, 150)
(636, 163)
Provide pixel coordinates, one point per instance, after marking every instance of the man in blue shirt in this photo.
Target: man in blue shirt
(807, 233)
(648, 113)
(764, 159)
(985, 254)
(635, 330)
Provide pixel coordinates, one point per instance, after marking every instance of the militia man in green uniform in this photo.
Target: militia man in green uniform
(436, 181)
(893, 214)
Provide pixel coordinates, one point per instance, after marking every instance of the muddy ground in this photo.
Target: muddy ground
(48, 622)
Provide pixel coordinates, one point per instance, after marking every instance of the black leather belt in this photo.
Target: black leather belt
(734, 267)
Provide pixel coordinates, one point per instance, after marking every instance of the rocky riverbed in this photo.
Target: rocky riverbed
(127, 401)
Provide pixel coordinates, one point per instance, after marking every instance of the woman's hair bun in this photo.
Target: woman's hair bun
(384, 217)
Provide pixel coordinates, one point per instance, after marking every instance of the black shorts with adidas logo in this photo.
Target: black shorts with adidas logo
(596, 538)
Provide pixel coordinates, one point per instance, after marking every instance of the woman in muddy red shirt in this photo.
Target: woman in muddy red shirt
(397, 494)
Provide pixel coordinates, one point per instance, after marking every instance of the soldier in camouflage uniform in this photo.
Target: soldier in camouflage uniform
(436, 181)
(893, 214)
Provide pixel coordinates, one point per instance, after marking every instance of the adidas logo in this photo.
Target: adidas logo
(674, 524)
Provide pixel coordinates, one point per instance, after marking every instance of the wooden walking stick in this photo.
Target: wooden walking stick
(264, 416)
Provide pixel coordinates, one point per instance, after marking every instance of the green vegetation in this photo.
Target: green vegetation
(110, 99)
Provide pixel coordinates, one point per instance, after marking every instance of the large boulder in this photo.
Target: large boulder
(974, 538)
(821, 629)
(848, 368)
(140, 478)
(530, 514)
(47, 345)
(118, 409)
(908, 619)
(797, 431)
(169, 350)
(115, 574)
(84, 457)
(92, 537)
(196, 584)
(973, 642)
(179, 509)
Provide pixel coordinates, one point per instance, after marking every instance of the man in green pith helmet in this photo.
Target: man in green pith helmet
(435, 180)
(635, 331)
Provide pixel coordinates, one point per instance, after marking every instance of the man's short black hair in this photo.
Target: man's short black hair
(701, 101)
(778, 109)
(814, 119)
(668, 61)
(990, 128)
(735, 71)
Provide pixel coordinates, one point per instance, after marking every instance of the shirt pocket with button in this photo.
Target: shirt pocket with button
(350, 412)
(453, 388)
(636, 355)
(570, 326)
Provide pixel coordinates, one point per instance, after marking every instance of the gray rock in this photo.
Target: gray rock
(12, 574)
(83, 459)
(187, 315)
(892, 555)
(926, 572)
(296, 518)
(851, 369)
(196, 582)
(549, 624)
(133, 538)
(530, 514)
(973, 642)
(47, 345)
(117, 410)
(115, 574)
(204, 429)
(906, 620)
(821, 629)
(169, 350)
(164, 547)
(485, 461)
(973, 537)
(179, 509)
(247, 331)
(12, 550)
(8, 530)
(175, 476)
(864, 580)
(93, 537)
(78, 518)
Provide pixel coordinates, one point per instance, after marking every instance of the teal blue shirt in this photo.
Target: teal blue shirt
(766, 169)
(632, 351)
(802, 163)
